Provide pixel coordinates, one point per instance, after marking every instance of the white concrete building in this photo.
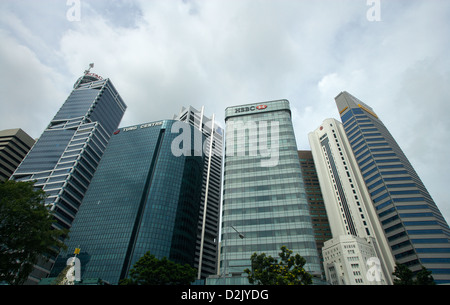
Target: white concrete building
(357, 233)
(350, 260)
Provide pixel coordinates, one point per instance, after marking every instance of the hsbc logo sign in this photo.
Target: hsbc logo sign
(251, 108)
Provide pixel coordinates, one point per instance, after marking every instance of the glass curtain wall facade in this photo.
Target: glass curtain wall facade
(416, 231)
(264, 200)
(65, 157)
(142, 198)
(208, 221)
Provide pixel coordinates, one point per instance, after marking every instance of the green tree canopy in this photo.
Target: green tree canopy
(149, 270)
(26, 232)
(424, 277)
(266, 270)
(404, 276)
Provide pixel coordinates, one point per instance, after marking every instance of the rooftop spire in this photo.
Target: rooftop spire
(91, 65)
(87, 77)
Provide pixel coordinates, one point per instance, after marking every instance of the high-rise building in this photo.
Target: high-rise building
(208, 222)
(14, 146)
(417, 232)
(64, 159)
(264, 200)
(145, 196)
(358, 238)
(321, 226)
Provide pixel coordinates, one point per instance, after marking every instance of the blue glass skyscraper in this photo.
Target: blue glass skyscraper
(65, 157)
(145, 196)
(417, 233)
(208, 223)
(264, 198)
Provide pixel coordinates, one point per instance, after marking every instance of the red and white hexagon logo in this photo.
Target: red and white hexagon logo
(261, 107)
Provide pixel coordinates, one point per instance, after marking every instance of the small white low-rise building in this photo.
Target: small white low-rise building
(351, 260)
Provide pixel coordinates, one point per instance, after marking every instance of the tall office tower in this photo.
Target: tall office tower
(357, 233)
(264, 200)
(208, 222)
(321, 226)
(66, 155)
(415, 228)
(144, 196)
(14, 146)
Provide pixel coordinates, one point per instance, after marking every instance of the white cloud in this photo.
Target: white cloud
(31, 92)
(162, 55)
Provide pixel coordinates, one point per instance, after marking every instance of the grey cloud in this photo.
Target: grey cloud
(162, 55)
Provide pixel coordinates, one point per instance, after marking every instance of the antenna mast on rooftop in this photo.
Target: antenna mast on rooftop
(91, 65)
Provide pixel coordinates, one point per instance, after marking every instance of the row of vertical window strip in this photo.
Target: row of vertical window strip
(294, 196)
(338, 186)
(268, 178)
(255, 169)
(285, 154)
(261, 188)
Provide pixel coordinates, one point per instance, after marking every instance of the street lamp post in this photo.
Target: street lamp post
(239, 233)
(227, 263)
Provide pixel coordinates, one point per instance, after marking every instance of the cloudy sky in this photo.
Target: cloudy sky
(164, 54)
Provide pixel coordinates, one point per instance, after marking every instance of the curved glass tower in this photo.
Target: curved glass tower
(415, 228)
(264, 200)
